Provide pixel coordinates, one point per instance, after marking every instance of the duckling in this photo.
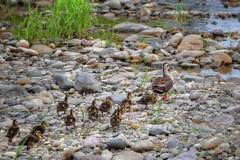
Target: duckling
(128, 99)
(106, 106)
(12, 131)
(126, 105)
(115, 120)
(93, 110)
(163, 84)
(62, 106)
(42, 128)
(31, 139)
(148, 98)
(70, 120)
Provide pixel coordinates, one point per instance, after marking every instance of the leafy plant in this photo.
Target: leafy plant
(67, 19)
(182, 15)
(144, 79)
(19, 149)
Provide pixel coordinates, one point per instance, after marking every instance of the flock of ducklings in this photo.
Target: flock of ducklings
(70, 120)
(160, 85)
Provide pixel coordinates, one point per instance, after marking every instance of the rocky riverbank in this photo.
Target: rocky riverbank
(200, 121)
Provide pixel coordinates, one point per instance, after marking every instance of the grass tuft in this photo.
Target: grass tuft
(66, 20)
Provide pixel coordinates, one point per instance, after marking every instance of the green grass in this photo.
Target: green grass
(144, 79)
(19, 149)
(182, 15)
(68, 19)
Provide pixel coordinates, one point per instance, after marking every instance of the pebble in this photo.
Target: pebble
(116, 143)
(142, 146)
(211, 143)
(128, 155)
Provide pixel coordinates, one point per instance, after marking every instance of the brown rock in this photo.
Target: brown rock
(23, 43)
(191, 42)
(6, 35)
(135, 126)
(222, 59)
(143, 45)
(23, 81)
(211, 143)
(42, 49)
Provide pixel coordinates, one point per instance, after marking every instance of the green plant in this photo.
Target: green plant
(19, 149)
(181, 15)
(145, 78)
(41, 117)
(195, 130)
(68, 19)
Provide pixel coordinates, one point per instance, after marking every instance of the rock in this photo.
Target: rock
(34, 103)
(117, 143)
(185, 54)
(153, 31)
(20, 108)
(142, 146)
(190, 78)
(148, 59)
(236, 94)
(85, 82)
(78, 155)
(32, 118)
(135, 126)
(195, 95)
(158, 130)
(113, 4)
(62, 81)
(105, 53)
(172, 143)
(210, 42)
(10, 154)
(23, 81)
(221, 59)
(92, 141)
(128, 155)
(175, 40)
(191, 42)
(234, 79)
(6, 35)
(205, 60)
(130, 27)
(106, 154)
(121, 55)
(186, 156)
(211, 143)
(73, 42)
(223, 119)
(23, 43)
(57, 65)
(156, 45)
(148, 49)
(91, 157)
(120, 77)
(236, 57)
(30, 52)
(42, 49)
(12, 91)
(222, 51)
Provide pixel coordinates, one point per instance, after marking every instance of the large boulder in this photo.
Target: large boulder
(85, 82)
(191, 42)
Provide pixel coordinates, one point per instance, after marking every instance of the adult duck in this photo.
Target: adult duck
(162, 84)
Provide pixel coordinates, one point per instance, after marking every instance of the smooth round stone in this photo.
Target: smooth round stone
(23, 43)
(117, 143)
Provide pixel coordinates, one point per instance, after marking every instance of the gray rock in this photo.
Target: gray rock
(113, 4)
(225, 99)
(236, 57)
(73, 42)
(10, 101)
(210, 42)
(120, 77)
(130, 27)
(32, 118)
(195, 95)
(185, 54)
(189, 78)
(148, 49)
(211, 143)
(156, 45)
(153, 31)
(91, 157)
(234, 79)
(12, 91)
(141, 146)
(117, 143)
(105, 53)
(236, 94)
(118, 98)
(223, 119)
(128, 155)
(238, 47)
(78, 155)
(158, 130)
(106, 154)
(121, 55)
(34, 103)
(210, 49)
(62, 81)
(186, 156)
(57, 65)
(175, 40)
(92, 141)
(132, 38)
(172, 143)
(34, 72)
(205, 60)
(85, 82)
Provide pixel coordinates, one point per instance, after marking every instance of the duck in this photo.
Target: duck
(148, 99)
(93, 110)
(62, 106)
(163, 84)
(42, 128)
(31, 139)
(106, 105)
(128, 99)
(115, 119)
(126, 105)
(13, 131)
(70, 120)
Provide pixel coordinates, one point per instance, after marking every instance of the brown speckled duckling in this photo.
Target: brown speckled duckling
(106, 105)
(128, 99)
(12, 131)
(70, 120)
(93, 110)
(62, 106)
(148, 99)
(31, 139)
(42, 128)
(115, 119)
